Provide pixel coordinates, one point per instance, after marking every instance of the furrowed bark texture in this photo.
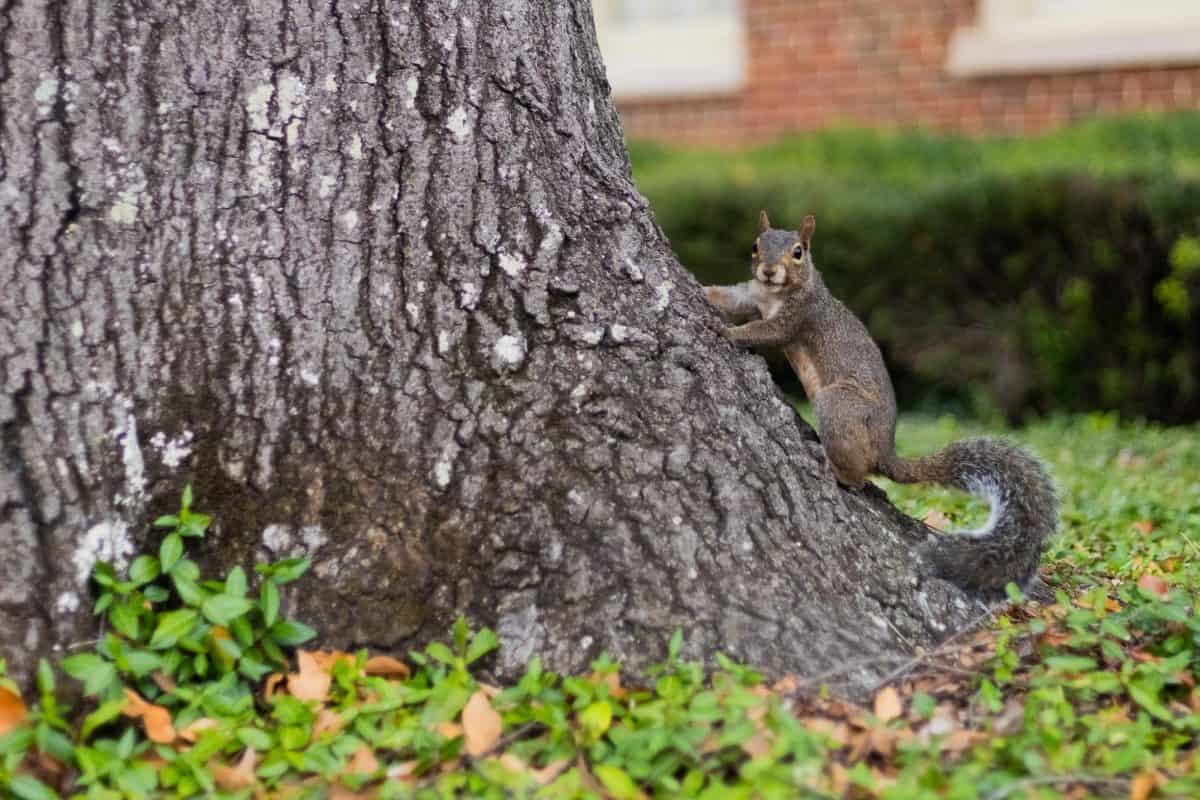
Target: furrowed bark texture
(374, 278)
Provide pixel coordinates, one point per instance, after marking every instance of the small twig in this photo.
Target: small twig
(1025, 783)
(940, 650)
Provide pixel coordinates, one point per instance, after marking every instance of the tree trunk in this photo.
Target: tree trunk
(374, 278)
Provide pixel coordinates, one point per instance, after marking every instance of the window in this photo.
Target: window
(1024, 36)
(669, 48)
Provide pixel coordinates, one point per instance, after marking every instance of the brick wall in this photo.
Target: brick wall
(813, 63)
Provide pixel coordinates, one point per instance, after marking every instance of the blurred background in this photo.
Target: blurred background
(1007, 191)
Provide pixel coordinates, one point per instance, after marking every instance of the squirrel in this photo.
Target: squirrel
(843, 374)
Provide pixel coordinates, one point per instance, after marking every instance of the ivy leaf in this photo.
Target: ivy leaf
(483, 643)
(94, 672)
(290, 634)
(124, 617)
(171, 627)
(103, 715)
(269, 598)
(170, 551)
(27, 787)
(143, 570)
(235, 582)
(222, 609)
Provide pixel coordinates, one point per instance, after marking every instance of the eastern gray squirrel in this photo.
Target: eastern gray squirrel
(844, 376)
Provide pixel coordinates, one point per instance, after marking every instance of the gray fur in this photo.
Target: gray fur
(845, 378)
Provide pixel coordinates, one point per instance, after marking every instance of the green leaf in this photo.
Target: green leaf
(596, 719)
(173, 626)
(461, 633)
(27, 787)
(269, 598)
(169, 521)
(170, 551)
(45, 678)
(95, 673)
(142, 662)
(235, 582)
(675, 647)
(242, 631)
(186, 501)
(289, 633)
(187, 589)
(252, 668)
(143, 570)
(222, 609)
(616, 781)
(124, 617)
(289, 569)
(439, 651)
(255, 739)
(103, 715)
(483, 643)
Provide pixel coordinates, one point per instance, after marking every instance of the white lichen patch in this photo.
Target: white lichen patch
(619, 333)
(662, 295)
(258, 106)
(350, 220)
(441, 473)
(356, 146)
(458, 124)
(469, 294)
(66, 603)
(510, 350)
(331, 84)
(46, 91)
(77, 328)
(125, 210)
(412, 85)
(443, 342)
(172, 452)
(592, 337)
(512, 264)
(310, 376)
(126, 436)
(373, 75)
(292, 97)
(326, 186)
(633, 270)
(278, 538)
(105, 541)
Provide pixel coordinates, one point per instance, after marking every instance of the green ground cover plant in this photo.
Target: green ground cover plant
(1058, 272)
(201, 687)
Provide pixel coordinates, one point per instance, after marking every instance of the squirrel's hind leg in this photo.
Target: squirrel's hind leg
(842, 424)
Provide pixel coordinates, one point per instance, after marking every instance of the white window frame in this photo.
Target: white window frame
(690, 56)
(1014, 37)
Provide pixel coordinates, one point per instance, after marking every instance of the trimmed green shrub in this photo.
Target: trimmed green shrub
(1028, 275)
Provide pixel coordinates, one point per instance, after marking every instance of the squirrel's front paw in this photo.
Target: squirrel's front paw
(730, 333)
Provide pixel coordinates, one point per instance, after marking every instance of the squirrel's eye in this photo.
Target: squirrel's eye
(754, 249)
(798, 253)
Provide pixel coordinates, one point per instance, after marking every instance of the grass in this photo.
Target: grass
(191, 692)
(1143, 143)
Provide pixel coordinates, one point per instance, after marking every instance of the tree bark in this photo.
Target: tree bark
(375, 279)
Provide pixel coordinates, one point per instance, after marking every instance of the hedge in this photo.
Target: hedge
(1022, 275)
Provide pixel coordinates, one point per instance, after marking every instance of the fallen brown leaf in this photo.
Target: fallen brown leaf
(312, 680)
(239, 776)
(1141, 786)
(1143, 526)
(327, 720)
(1154, 584)
(404, 771)
(155, 719)
(363, 761)
(272, 684)
(12, 711)
(481, 725)
(758, 745)
(386, 666)
(888, 705)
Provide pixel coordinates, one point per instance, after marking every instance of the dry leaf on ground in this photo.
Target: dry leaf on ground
(386, 666)
(936, 519)
(155, 719)
(312, 681)
(12, 710)
(1154, 584)
(238, 776)
(481, 725)
(888, 705)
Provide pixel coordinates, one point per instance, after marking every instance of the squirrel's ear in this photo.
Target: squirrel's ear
(806, 232)
(764, 224)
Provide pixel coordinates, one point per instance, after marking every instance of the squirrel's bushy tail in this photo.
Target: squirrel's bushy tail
(1024, 511)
